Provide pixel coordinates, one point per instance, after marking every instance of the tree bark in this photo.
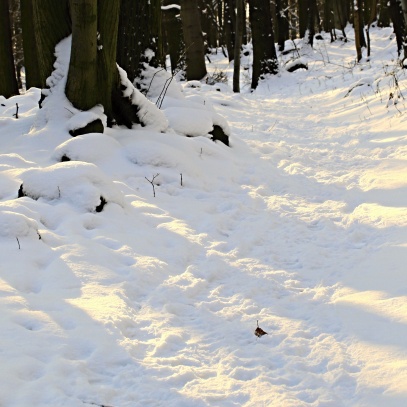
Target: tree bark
(341, 15)
(81, 87)
(357, 24)
(264, 51)
(302, 17)
(384, 14)
(8, 79)
(107, 74)
(194, 44)
(282, 23)
(32, 70)
(238, 45)
(311, 12)
(396, 15)
(229, 25)
(172, 28)
(52, 23)
(139, 31)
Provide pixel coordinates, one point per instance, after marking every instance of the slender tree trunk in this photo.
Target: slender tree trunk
(357, 24)
(172, 27)
(238, 45)
(311, 11)
(229, 24)
(328, 18)
(264, 51)
(194, 44)
(8, 79)
(282, 23)
(32, 71)
(81, 87)
(302, 17)
(371, 13)
(52, 23)
(17, 38)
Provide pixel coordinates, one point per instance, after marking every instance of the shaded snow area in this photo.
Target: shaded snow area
(111, 296)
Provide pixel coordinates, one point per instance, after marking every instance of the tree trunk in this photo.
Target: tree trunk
(357, 24)
(384, 14)
(8, 79)
(229, 24)
(311, 11)
(264, 51)
(191, 26)
(302, 17)
(52, 23)
(238, 45)
(107, 74)
(396, 15)
(17, 38)
(32, 70)
(172, 27)
(371, 16)
(341, 15)
(403, 4)
(329, 25)
(81, 87)
(140, 37)
(282, 23)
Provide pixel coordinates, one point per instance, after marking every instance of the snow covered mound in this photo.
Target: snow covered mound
(81, 184)
(14, 225)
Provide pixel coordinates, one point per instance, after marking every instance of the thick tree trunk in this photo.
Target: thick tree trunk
(238, 45)
(264, 51)
(384, 14)
(8, 79)
(396, 15)
(194, 44)
(107, 74)
(403, 4)
(81, 87)
(341, 15)
(52, 23)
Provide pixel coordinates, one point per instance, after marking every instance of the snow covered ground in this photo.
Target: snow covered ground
(301, 224)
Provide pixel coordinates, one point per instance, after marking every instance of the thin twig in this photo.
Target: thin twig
(16, 113)
(152, 182)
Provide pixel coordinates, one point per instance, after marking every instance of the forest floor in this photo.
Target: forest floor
(301, 225)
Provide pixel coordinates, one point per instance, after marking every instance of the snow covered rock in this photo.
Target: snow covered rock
(81, 184)
(13, 224)
(140, 110)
